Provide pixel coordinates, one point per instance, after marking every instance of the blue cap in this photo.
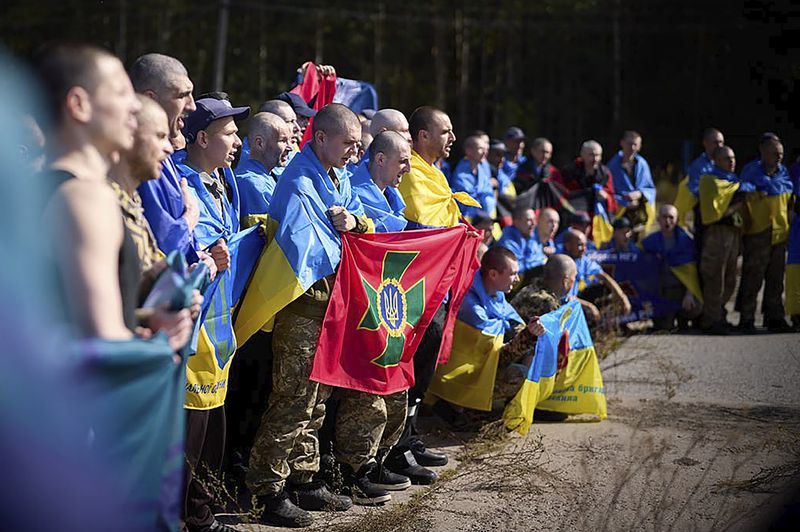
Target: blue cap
(298, 104)
(208, 110)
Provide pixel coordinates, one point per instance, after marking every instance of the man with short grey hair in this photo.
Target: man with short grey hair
(170, 209)
(587, 182)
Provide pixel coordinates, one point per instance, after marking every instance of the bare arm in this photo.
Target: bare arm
(616, 290)
(88, 233)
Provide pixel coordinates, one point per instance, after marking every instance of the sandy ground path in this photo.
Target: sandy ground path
(703, 433)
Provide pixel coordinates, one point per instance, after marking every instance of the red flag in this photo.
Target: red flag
(315, 87)
(388, 288)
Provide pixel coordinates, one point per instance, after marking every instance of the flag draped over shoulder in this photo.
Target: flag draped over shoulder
(768, 205)
(689, 187)
(564, 375)
(681, 258)
(388, 288)
(385, 208)
(716, 192)
(429, 200)
(134, 398)
(468, 377)
(642, 182)
(306, 246)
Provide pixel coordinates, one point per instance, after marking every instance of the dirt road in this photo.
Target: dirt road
(703, 433)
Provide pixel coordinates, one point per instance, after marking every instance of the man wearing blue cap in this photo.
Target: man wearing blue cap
(301, 109)
(212, 143)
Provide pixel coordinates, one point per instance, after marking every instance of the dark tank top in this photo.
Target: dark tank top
(129, 268)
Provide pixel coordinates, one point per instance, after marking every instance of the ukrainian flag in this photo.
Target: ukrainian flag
(793, 269)
(468, 377)
(681, 258)
(564, 376)
(768, 206)
(305, 248)
(685, 200)
(717, 189)
(602, 230)
(429, 200)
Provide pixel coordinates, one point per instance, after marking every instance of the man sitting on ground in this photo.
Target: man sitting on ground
(592, 284)
(679, 281)
(473, 176)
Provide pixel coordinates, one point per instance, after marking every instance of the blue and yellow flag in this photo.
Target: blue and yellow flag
(716, 193)
(681, 258)
(793, 269)
(642, 182)
(768, 205)
(468, 377)
(306, 246)
(564, 375)
(689, 187)
(602, 230)
(429, 200)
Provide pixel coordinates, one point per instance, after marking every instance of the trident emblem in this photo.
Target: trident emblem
(393, 307)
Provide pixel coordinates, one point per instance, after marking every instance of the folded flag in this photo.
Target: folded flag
(564, 375)
(388, 288)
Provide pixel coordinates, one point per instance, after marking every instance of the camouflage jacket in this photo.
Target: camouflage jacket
(533, 300)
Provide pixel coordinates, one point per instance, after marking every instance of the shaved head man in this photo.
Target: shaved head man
(546, 228)
(589, 182)
(431, 134)
(269, 137)
(287, 114)
(390, 157)
(559, 274)
(390, 120)
(270, 141)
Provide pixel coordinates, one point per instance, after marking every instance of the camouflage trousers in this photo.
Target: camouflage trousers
(286, 444)
(762, 263)
(365, 423)
(718, 269)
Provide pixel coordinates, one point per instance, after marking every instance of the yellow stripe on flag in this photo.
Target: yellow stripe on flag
(468, 377)
(272, 286)
(602, 230)
(578, 389)
(685, 201)
(518, 415)
(715, 197)
(687, 274)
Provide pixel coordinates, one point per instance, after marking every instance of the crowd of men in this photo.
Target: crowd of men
(141, 170)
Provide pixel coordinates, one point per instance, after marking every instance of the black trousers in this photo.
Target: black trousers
(425, 360)
(205, 449)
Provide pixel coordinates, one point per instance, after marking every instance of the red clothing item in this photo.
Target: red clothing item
(579, 186)
(317, 88)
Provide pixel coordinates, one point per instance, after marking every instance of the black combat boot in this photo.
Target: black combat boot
(315, 497)
(361, 489)
(424, 456)
(381, 477)
(280, 511)
(404, 463)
